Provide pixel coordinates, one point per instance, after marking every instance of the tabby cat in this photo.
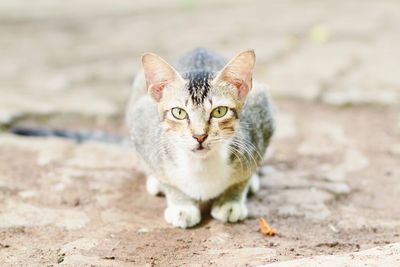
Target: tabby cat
(200, 129)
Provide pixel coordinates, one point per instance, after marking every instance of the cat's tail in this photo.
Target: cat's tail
(138, 90)
(78, 136)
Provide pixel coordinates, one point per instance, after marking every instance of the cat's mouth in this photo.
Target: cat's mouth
(200, 149)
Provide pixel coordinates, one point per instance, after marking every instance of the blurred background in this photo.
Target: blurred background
(80, 57)
(333, 72)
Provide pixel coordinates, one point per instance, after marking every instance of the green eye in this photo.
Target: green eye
(179, 113)
(219, 112)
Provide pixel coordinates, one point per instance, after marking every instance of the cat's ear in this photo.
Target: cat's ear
(158, 74)
(239, 72)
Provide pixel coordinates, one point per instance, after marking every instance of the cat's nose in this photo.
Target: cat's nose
(200, 137)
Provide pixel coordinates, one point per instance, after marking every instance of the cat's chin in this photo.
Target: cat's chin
(201, 152)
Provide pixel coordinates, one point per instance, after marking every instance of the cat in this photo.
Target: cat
(200, 130)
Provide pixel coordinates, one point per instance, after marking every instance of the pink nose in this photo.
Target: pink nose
(200, 137)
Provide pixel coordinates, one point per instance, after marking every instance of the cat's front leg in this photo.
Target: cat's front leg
(181, 211)
(231, 205)
(153, 186)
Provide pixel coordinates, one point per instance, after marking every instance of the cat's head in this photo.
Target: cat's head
(199, 110)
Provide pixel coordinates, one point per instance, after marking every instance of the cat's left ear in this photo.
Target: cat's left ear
(239, 72)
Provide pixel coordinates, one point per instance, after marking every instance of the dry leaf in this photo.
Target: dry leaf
(265, 228)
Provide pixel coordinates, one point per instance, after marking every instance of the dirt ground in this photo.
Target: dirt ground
(330, 181)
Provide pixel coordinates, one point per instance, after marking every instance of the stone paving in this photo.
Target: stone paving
(329, 182)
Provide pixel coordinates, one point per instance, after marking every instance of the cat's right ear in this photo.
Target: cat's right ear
(158, 74)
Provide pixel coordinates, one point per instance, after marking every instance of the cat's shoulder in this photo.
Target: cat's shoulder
(259, 95)
(258, 107)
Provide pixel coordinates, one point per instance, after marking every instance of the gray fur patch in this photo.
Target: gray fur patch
(201, 59)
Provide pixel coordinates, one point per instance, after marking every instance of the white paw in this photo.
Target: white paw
(153, 185)
(254, 183)
(182, 216)
(232, 211)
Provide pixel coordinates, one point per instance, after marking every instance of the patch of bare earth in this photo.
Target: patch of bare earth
(329, 186)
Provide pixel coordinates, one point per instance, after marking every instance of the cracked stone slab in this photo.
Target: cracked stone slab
(80, 244)
(48, 150)
(307, 192)
(15, 104)
(16, 214)
(379, 256)
(291, 78)
(241, 256)
(374, 80)
(82, 260)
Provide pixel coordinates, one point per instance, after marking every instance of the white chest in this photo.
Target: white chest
(202, 179)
